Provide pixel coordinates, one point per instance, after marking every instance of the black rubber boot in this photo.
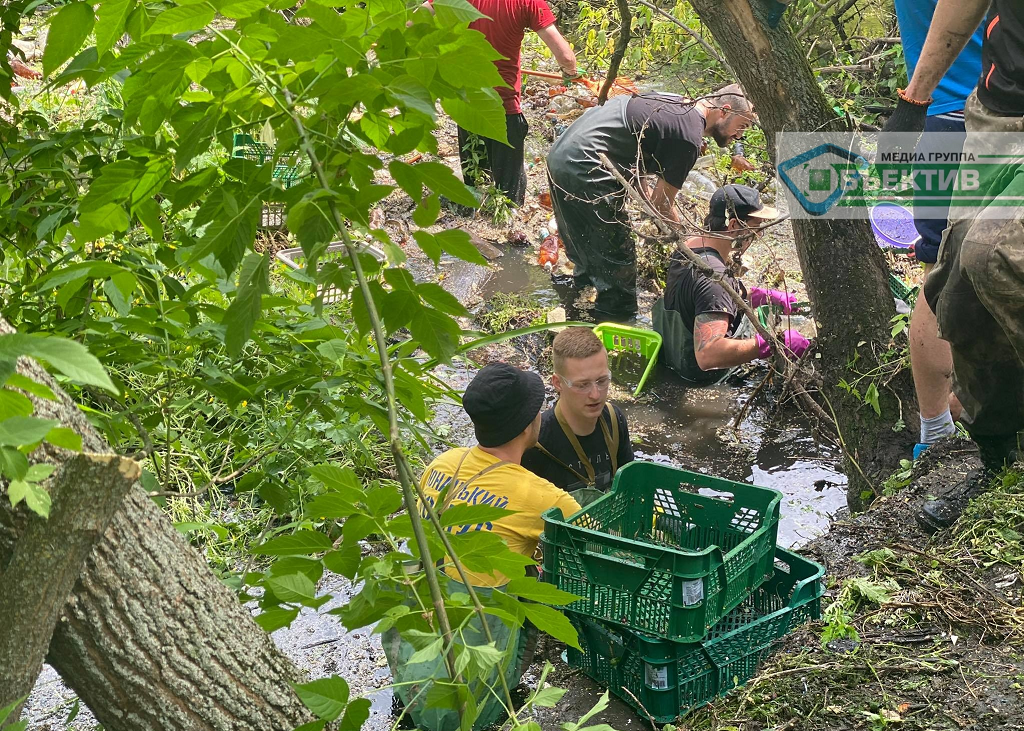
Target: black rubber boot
(995, 453)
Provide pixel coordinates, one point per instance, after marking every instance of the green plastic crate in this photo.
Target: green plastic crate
(244, 146)
(656, 556)
(621, 339)
(901, 290)
(671, 678)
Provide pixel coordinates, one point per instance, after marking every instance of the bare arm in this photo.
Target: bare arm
(953, 24)
(713, 349)
(560, 49)
(663, 197)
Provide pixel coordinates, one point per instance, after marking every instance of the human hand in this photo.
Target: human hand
(741, 164)
(795, 343)
(760, 296)
(905, 125)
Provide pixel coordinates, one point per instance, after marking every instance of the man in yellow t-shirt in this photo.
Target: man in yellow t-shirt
(504, 404)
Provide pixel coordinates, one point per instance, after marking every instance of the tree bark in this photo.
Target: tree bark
(149, 638)
(844, 270)
(47, 559)
(625, 32)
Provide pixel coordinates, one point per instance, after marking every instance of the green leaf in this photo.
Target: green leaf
(14, 404)
(428, 244)
(426, 654)
(451, 12)
(333, 505)
(356, 715)
(13, 463)
(300, 543)
(457, 243)
(65, 438)
(242, 8)
(441, 299)
(871, 397)
(439, 177)
(335, 477)
(20, 430)
(16, 380)
(552, 621)
(253, 283)
(344, 561)
(292, 587)
(39, 472)
(539, 591)
(427, 211)
(463, 514)
(325, 697)
(68, 30)
(435, 332)
(112, 16)
(481, 112)
(35, 496)
(409, 92)
(70, 358)
(180, 19)
(274, 619)
(8, 710)
(547, 697)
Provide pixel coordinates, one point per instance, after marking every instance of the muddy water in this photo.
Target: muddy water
(692, 427)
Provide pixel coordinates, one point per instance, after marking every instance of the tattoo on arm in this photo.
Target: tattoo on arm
(709, 327)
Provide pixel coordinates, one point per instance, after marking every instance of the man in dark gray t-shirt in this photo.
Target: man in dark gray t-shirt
(643, 135)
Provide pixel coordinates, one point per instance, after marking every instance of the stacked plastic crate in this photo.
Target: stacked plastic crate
(684, 590)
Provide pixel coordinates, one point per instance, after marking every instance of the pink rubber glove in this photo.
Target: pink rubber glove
(796, 345)
(760, 296)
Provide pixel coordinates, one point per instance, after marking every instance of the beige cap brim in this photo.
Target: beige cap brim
(767, 213)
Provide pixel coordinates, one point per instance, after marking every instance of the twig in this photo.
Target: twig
(219, 480)
(977, 585)
(750, 401)
(654, 724)
(814, 18)
(625, 30)
(694, 34)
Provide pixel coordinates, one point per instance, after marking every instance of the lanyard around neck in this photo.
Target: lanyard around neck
(611, 441)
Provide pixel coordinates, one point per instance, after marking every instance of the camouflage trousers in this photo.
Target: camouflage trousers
(976, 290)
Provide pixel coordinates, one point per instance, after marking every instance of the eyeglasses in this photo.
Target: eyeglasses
(602, 384)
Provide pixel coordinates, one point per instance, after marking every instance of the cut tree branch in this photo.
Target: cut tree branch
(625, 32)
(85, 494)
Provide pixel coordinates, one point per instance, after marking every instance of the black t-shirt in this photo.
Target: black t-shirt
(671, 133)
(1001, 86)
(691, 293)
(594, 446)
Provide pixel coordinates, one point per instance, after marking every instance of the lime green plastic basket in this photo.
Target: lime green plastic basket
(667, 679)
(622, 339)
(901, 290)
(666, 552)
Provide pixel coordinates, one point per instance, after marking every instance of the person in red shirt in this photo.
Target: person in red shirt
(504, 27)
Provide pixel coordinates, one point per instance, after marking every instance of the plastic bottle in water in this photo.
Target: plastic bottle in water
(548, 256)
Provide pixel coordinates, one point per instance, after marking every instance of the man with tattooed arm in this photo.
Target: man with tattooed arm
(699, 323)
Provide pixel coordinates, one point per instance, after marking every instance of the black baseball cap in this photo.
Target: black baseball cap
(502, 401)
(740, 201)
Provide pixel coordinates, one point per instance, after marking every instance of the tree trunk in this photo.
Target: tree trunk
(625, 31)
(85, 494)
(844, 270)
(149, 638)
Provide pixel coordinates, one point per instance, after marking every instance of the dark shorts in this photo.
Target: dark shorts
(976, 289)
(927, 249)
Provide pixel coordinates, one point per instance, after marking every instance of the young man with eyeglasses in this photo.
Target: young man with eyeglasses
(583, 438)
